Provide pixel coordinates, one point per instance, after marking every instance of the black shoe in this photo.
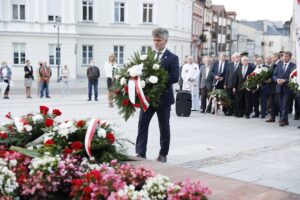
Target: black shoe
(5, 97)
(140, 156)
(48, 97)
(263, 117)
(296, 117)
(239, 116)
(41, 96)
(229, 114)
(247, 117)
(162, 158)
(96, 99)
(298, 127)
(255, 116)
(202, 111)
(89, 100)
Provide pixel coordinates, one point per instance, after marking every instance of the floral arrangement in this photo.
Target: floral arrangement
(293, 84)
(139, 84)
(57, 165)
(221, 97)
(257, 77)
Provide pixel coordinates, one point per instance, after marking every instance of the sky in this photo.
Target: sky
(259, 9)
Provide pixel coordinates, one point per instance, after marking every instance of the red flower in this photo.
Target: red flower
(4, 135)
(147, 98)
(49, 122)
(110, 138)
(67, 151)
(44, 110)
(49, 142)
(117, 91)
(77, 182)
(77, 145)
(56, 112)
(126, 89)
(87, 190)
(8, 115)
(125, 102)
(252, 74)
(80, 123)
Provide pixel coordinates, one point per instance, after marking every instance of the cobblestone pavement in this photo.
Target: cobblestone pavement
(245, 149)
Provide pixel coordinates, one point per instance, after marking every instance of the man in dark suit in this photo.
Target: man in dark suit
(218, 71)
(243, 96)
(255, 92)
(274, 106)
(228, 85)
(205, 82)
(281, 77)
(170, 63)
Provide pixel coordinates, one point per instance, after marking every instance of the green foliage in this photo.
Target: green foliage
(222, 97)
(254, 80)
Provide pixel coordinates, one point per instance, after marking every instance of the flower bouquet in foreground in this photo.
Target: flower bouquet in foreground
(257, 77)
(139, 84)
(221, 98)
(76, 159)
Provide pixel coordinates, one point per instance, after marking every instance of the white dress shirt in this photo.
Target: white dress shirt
(108, 68)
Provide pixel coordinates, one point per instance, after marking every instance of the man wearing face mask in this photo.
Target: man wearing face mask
(93, 74)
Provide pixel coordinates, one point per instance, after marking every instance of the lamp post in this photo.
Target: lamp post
(57, 24)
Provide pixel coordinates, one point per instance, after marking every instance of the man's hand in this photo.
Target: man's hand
(233, 90)
(217, 77)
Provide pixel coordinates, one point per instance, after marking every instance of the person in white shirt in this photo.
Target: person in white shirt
(190, 76)
(110, 68)
(5, 76)
(65, 80)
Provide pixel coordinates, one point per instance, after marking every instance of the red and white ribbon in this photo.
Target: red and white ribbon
(89, 135)
(135, 88)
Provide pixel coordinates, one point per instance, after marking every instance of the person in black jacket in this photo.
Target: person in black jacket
(93, 74)
(28, 78)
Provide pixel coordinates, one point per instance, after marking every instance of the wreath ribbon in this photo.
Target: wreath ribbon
(89, 135)
(135, 88)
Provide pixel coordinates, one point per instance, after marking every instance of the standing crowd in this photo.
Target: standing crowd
(273, 97)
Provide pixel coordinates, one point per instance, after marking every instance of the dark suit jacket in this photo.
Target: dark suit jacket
(238, 76)
(169, 62)
(279, 73)
(230, 75)
(203, 81)
(215, 72)
(29, 70)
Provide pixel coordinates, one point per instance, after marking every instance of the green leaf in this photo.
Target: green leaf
(27, 152)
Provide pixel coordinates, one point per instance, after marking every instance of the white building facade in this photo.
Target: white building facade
(89, 30)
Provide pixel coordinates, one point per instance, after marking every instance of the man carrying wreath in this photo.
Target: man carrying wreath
(170, 63)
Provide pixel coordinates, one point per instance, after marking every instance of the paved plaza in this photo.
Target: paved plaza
(244, 149)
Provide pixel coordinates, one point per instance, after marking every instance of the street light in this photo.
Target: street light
(57, 24)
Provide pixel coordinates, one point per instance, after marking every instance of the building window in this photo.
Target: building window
(54, 55)
(87, 54)
(87, 10)
(147, 13)
(19, 53)
(119, 12)
(145, 49)
(52, 18)
(18, 12)
(271, 43)
(119, 53)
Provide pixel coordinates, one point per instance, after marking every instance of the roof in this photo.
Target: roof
(267, 27)
(218, 8)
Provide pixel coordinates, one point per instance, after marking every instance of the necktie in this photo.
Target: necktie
(244, 71)
(284, 67)
(221, 68)
(235, 66)
(158, 55)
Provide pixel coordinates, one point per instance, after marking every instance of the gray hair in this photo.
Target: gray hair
(236, 54)
(161, 33)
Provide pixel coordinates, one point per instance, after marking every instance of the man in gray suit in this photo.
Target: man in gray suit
(205, 82)
(228, 84)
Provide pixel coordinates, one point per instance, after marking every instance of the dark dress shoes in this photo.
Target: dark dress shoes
(89, 100)
(284, 123)
(270, 120)
(140, 156)
(255, 116)
(48, 97)
(162, 158)
(247, 117)
(296, 117)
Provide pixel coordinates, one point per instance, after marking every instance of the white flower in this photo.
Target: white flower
(123, 81)
(37, 118)
(127, 62)
(143, 83)
(19, 124)
(101, 133)
(28, 128)
(12, 163)
(117, 76)
(136, 70)
(156, 66)
(153, 79)
(144, 57)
